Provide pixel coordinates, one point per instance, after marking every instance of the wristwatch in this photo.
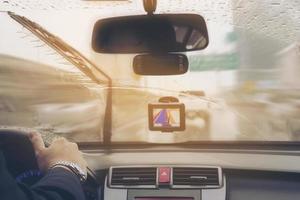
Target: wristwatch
(73, 167)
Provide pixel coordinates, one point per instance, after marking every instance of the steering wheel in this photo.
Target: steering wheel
(17, 150)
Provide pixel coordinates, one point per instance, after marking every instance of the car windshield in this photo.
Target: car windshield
(243, 87)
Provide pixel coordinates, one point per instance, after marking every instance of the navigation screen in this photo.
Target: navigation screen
(164, 198)
(166, 117)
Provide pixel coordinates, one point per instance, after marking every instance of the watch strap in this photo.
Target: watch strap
(73, 167)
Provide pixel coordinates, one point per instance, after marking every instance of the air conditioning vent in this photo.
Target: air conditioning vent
(197, 177)
(133, 177)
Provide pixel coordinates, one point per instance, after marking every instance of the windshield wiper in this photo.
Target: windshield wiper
(77, 59)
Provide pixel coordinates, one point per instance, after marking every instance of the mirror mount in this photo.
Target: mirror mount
(150, 6)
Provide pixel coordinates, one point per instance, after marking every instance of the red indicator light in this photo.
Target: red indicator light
(164, 174)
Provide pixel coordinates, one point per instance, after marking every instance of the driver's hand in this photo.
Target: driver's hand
(59, 150)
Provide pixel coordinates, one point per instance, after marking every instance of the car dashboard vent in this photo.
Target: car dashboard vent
(133, 177)
(197, 177)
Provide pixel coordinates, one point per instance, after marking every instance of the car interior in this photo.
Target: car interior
(167, 99)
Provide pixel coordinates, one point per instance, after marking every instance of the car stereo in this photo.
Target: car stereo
(163, 194)
(164, 198)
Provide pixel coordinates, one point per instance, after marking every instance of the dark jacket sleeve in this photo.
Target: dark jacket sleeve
(57, 184)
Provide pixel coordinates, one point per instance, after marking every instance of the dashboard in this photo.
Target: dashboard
(184, 183)
(200, 182)
(166, 176)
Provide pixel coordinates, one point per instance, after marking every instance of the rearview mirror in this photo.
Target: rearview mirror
(168, 64)
(150, 34)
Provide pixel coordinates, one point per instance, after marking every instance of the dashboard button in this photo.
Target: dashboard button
(164, 174)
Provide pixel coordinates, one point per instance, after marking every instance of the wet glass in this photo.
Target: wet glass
(42, 91)
(243, 87)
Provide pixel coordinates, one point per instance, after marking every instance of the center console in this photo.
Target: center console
(165, 183)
